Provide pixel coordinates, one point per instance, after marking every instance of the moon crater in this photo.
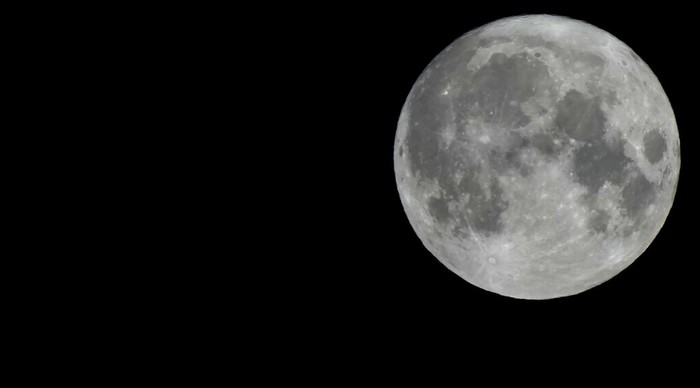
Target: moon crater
(537, 156)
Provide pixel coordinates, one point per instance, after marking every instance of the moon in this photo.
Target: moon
(537, 156)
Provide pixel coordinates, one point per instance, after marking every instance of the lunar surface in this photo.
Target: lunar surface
(537, 156)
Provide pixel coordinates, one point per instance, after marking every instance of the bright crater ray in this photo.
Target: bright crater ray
(537, 156)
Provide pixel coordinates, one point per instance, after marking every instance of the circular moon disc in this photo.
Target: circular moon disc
(537, 156)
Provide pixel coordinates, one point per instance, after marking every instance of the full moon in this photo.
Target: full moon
(537, 156)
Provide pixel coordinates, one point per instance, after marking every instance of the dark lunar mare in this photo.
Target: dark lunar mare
(502, 80)
(596, 160)
(654, 146)
(430, 114)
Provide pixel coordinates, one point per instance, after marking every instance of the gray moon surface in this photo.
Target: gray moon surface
(537, 156)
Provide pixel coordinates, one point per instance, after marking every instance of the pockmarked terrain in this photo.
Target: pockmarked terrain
(537, 156)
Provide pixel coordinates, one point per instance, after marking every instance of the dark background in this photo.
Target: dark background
(310, 97)
(366, 273)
